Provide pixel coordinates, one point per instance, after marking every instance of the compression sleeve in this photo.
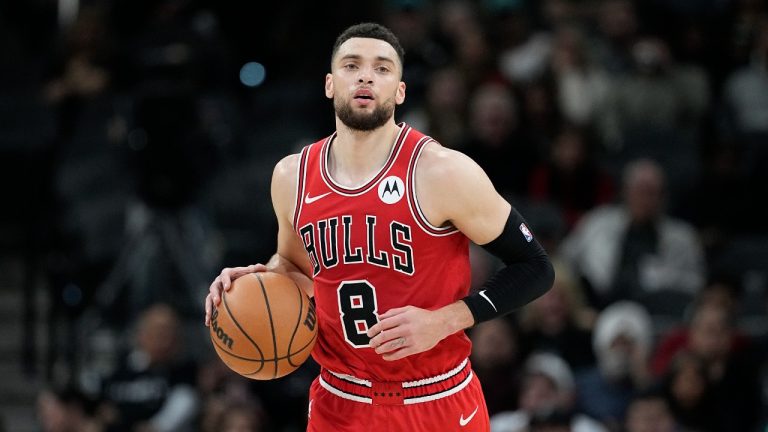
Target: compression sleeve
(527, 274)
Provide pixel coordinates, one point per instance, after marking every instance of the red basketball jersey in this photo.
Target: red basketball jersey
(372, 250)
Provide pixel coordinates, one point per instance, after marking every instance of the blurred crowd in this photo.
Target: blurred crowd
(633, 136)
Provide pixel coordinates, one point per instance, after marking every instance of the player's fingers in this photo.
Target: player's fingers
(215, 291)
(385, 336)
(399, 354)
(393, 312)
(374, 330)
(385, 324)
(236, 272)
(208, 310)
(226, 278)
(391, 345)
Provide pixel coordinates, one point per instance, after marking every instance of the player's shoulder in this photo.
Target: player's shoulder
(288, 165)
(448, 166)
(284, 178)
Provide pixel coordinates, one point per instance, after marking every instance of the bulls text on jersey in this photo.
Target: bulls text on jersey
(327, 241)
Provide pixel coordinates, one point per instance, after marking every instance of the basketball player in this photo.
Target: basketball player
(375, 221)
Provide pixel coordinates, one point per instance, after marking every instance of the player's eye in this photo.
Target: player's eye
(382, 69)
(350, 66)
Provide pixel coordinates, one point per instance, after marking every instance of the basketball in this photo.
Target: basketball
(265, 326)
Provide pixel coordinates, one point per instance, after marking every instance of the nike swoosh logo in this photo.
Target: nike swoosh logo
(310, 200)
(464, 421)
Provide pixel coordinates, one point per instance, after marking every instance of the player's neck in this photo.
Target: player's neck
(356, 156)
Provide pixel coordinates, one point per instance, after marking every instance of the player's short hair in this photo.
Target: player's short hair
(372, 31)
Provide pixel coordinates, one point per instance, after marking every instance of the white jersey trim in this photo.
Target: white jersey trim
(301, 184)
(413, 204)
(344, 395)
(442, 377)
(351, 379)
(394, 152)
(436, 396)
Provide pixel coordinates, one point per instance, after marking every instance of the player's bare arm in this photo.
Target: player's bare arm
(453, 189)
(290, 258)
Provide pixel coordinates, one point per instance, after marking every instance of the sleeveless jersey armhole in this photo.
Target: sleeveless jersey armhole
(413, 201)
(301, 178)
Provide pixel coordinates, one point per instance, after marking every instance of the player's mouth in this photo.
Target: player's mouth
(363, 96)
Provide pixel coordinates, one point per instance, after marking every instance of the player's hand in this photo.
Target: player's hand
(223, 282)
(404, 331)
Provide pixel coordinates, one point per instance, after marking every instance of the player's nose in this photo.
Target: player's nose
(365, 75)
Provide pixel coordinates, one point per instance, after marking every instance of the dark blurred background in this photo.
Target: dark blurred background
(137, 141)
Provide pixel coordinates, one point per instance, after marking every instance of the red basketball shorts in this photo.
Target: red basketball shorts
(452, 401)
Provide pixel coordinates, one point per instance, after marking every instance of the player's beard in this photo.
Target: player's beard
(362, 121)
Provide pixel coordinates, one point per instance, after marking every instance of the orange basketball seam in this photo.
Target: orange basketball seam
(272, 359)
(298, 323)
(271, 321)
(263, 359)
(311, 341)
(247, 336)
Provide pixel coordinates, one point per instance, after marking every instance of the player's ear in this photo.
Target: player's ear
(329, 86)
(400, 95)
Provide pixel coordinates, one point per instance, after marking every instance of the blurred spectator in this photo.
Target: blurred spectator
(723, 290)
(496, 359)
(172, 59)
(730, 365)
(540, 115)
(85, 59)
(494, 141)
(582, 86)
(633, 248)
(285, 400)
(649, 412)
(719, 297)
(547, 394)
(524, 51)
(153, 387)
(474, 57)
(223, 414)
(571, 177)
(719, 203)
(617, 25)
(457, 21)
(443, 114)
(690, 394)
(221, 390)
(746, 97)
(560, 321)
(746, 91)
(241, 418)
(658, 96)
(623, 341)
(554, 421)
(67, 410)
(409, 20)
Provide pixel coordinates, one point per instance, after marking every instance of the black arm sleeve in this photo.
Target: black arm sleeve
(528, 273)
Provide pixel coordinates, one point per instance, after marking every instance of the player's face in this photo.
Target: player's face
(364, 83)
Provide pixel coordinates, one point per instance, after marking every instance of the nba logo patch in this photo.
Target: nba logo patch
(526, 232)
